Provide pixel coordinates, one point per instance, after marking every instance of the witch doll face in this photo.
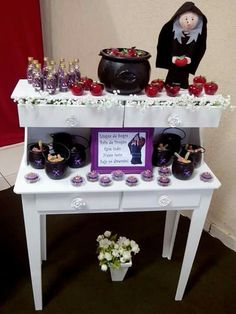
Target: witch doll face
(188, 21)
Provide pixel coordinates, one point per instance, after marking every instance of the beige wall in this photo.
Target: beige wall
(81, 28)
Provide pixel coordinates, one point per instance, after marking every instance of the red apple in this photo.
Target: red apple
(195, 89)
(181, 61)
(115, 52)
(172, 90)
(159, 83)
(199, 80)
(210, 88)
(132, 52)
(77, 89)
(86, 81)
(96, 89)
(151, 90)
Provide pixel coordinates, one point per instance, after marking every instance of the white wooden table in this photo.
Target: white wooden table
(47, 197)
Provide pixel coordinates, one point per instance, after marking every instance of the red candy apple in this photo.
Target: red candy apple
(86, 81)
(199, 80)
(210, 88)
(96, 89)
(77, 89)
(151, 90)
(159, 83)
(172, 90)
(181, 61)
(132, 52)
(195, 89)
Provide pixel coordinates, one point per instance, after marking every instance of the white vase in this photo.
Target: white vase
(118, 274)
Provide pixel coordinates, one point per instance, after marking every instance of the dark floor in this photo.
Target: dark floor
(73, 282)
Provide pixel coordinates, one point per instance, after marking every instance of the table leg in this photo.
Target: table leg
(171, 224)
(194, 235)
(43, 237)
(33, 237)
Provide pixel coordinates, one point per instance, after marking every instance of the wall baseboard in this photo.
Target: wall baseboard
(226, 238)
(215, 231)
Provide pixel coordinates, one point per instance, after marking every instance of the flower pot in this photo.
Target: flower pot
(129, 75)
(118, 274)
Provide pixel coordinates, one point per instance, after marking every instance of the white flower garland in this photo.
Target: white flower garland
(109, 101)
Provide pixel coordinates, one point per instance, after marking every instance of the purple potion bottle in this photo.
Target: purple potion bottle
(38, 78)
(63, 80)
(71, 75)
(77, 70)
(51, 84)
(29, 72)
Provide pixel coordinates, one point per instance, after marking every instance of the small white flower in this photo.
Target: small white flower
(122, 260)
(115, 253)
(126, 242)
(108, 256)
(104, 243)
(127, 255)
(116, 246)
(107, 234)
(100, 237)
(104, 267)
(135, 249)
(101, 256)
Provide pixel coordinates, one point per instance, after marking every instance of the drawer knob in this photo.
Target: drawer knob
(78, 203)
(174, 120)
(72, 121)
(164, 200)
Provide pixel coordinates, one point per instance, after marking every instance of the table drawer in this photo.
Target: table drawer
(169, 199)
(78, 202)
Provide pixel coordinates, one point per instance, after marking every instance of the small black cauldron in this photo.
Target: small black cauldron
(77, 150)
(123, 73)
(169, 136)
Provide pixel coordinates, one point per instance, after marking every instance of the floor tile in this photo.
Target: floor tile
(3, 184)
(10, 157)
(11, 179)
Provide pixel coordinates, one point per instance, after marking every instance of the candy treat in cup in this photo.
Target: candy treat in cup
(92, 176)
(147, 175)
(206, 176)
(31, 177)
(77, 180)
(117, 175)
(163, 181)
(131, 181)
(105, 180)
(164, 171)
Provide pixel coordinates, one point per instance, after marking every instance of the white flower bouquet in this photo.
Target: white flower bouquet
(114, 251)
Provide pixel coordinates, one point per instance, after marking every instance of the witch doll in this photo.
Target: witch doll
(182, 44)
(135, 147)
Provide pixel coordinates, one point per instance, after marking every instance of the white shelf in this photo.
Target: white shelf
(111, 110)
(46, 185)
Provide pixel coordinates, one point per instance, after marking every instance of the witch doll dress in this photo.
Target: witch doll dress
(182, 44)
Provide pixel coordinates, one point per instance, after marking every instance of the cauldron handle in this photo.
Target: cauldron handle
(183, 135)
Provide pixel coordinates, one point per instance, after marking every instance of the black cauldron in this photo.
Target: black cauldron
(57, 170)
(169, 136)
(77, 150)
(182, 171)
(36, 158)
(128, 75)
